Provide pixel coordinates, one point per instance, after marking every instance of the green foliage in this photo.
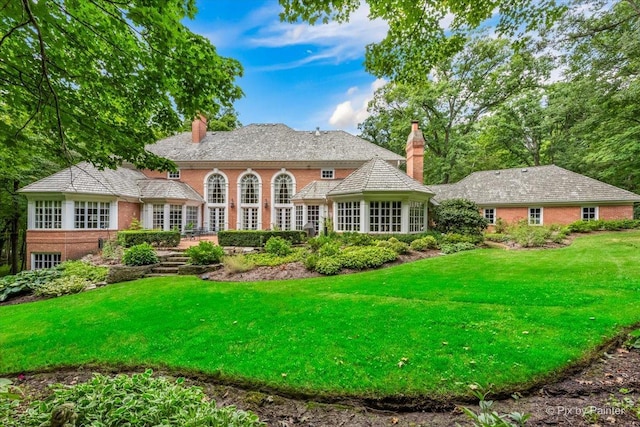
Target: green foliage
(460, 216)
(257, 238)
(138, 400)
(111, 250)
(330, 248)
(311, 261)
(26, 281)
(356, 239)
(142, 254)
(237, 263)
(135, 224)
(359, 258)
(496, 237)
(460, 238)
(405, 238)
(204, 253)
(626, 403)
(272, 260)
(395, 245)
(450, 248)
(529, 236)
(424, 243)
(167, 239)
(329, 265)
(636, 211)
(84, 270)
(278, 246)
(602, 225)
(315, 243)
(62, 286)
(500, 226)
(488, 417)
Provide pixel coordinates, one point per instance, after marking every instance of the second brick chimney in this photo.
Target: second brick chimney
(415, 153)
(198, 129)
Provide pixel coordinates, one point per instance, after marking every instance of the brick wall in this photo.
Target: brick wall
(195, 178)
(71, 244)
(127, 211)
(563, 214)
(615, 212)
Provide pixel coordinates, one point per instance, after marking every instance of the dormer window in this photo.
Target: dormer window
(173, 175)
(328, 173)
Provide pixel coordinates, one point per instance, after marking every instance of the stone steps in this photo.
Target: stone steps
(169, 265)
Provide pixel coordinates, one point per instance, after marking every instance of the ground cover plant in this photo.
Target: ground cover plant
(431, 327)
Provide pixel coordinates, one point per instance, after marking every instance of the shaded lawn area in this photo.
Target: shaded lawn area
(488, 316)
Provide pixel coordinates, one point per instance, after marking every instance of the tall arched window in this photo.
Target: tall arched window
(249, 202)
(217, 201)
(283, 189)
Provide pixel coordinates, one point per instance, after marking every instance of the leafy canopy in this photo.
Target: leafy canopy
(100, 79)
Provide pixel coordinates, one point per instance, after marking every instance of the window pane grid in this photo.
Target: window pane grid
(45, 260)
(283, 218)
(158, 217)
(249, 218)
(192, 216)
(589, 213)
(216, 189)
(348, 216)
(48, 214)
(416, 217)
(283, 189)
(385, 217)
(313, 215)
(91, 215)
(535, 216)
(299, 217)
(249, 190)
(175, 217)
(490, 215)
(216, 218)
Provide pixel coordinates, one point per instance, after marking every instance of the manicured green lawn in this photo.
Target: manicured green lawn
(487, 316)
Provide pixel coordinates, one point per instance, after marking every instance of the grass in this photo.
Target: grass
(487, 316)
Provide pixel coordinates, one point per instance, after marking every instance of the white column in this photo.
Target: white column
(364, 217)
(68, 214)
(404, 222)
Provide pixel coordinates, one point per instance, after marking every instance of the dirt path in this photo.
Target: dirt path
(565, 403)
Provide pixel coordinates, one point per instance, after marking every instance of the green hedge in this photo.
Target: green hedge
(167, 239)
(257, 238)
(404, 238)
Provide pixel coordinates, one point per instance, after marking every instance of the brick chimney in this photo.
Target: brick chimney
(415, 153)
(198, 129)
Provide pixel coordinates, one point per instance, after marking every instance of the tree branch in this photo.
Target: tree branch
(17, 27)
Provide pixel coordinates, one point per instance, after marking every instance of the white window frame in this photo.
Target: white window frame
(49, 260)
(47, 214)
(492, 219)
(217, 207)
(173, 175)
(541, 219)
(249, 213)
(385, 216)
(282, 215)
(416, 216)
(327, 173)
(348, 215)
(596, 213)
(83, 220)
(176, 217)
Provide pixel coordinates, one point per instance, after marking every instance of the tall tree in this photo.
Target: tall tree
(450, 101)
(418, 37)
(104, 78)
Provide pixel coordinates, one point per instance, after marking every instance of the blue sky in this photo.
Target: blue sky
(300, 75)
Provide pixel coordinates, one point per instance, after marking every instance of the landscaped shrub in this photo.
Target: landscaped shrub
(461, 238)
(84, 270)
(330, 248)
(361, 257)
(257, 238)
(61, 286)
(317, 242)
(136, 401)
(277, 246)
(500, 226)
(310, 261)
(111, 250)
(329, 265)
(167, 239)
(395, 245)
(405, 238)
(356, 239)
(204, 253)
(460, 216)
(450, 248)
(529, 236)
(424, 243)
(237, 263)
(26, 281)
(496, 237)
(143, 254)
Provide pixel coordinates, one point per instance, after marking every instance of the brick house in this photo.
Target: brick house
(540, 195)
(266, 176)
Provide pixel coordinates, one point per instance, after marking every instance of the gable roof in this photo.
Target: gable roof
(85, 178)
(270, 142)
(378, 175)
(316, 190)
(532, 185)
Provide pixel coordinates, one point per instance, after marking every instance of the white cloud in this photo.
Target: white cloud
(334, 42)
(348, 114)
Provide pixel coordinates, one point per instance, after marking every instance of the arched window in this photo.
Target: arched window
(249, 202)
(217, 201)
(283, 189)
(216, 189)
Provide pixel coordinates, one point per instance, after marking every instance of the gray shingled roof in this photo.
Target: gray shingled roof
(84, 178)
(532, 185)
(270, 142)
(378, 175)
(167, 189)
(316, 190)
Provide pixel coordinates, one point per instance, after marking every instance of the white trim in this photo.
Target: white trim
(541, 215)
(484, 214)
(274, 206)
(332, 170)
(173, 177)
(225, 206)
(597, 212)
(239, 203)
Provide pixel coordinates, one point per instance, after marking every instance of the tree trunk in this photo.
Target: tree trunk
(14, 226)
